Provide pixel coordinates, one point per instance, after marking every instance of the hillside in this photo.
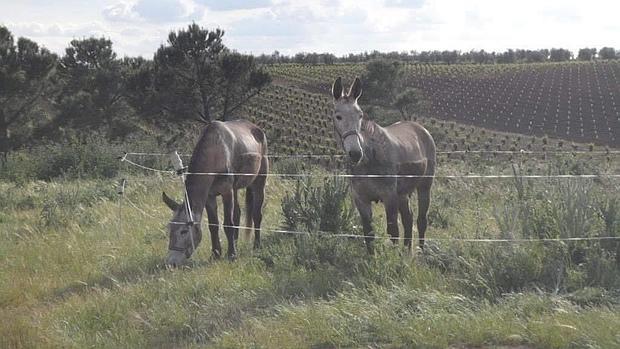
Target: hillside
(576, 101)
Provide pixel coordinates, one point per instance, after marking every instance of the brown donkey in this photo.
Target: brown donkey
(403, 148)
(238, 147)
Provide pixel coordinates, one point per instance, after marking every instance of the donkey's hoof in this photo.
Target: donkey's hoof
(232, 257)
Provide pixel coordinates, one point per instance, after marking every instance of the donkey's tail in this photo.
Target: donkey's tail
(249, 209)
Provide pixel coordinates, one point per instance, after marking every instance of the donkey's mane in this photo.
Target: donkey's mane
(376, 137)
(368, 126)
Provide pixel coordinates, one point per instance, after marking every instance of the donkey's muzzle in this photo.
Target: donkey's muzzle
(176, 258)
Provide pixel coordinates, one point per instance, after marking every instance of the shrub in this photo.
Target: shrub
(67, 203)
(555, 209)
(315, 208)
(89, 156)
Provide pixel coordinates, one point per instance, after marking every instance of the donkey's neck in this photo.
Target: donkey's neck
(197, 186)
(374, 138)
(371, 129)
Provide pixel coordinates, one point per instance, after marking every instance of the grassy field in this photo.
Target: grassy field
(82, 267)
(71, 277)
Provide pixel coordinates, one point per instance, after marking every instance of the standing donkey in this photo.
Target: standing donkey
(404, 148)
(233, 147)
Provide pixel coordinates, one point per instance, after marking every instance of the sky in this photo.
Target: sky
(139, 27)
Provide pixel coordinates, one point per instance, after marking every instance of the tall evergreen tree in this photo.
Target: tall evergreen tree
(92, 88)
(197, 77)
(24, 71)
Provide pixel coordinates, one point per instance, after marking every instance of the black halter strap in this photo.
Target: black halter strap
(349, 133)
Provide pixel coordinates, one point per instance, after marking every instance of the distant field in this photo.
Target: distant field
(575, 101)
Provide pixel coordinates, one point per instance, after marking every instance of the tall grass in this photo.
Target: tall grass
(70, 278)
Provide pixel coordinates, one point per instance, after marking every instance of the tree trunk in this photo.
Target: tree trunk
(4, 138)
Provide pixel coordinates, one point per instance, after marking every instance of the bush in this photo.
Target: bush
(90, 156)
(555, 209)
(315, 208)
(70, 203)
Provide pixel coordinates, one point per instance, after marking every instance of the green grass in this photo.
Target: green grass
(71, 278)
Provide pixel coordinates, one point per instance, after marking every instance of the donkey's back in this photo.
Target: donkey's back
(412, 144)
(236, 146)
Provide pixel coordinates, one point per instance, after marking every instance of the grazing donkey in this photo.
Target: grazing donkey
(403, 148)
(238, 147)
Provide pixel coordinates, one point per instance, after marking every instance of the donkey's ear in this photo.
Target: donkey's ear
(356, 89)
(169, 202)
(337, 88)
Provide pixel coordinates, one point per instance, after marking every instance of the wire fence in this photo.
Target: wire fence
(522, 151)
(176, 173)
(384, 237)
(378, 175)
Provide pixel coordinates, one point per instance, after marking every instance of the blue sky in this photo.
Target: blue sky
(138, 27)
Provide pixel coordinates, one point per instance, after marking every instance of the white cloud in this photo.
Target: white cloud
(290, 26)
(121, 12)
(153, 11)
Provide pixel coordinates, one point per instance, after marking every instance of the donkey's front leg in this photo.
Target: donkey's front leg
(229, 202)
(364, 207)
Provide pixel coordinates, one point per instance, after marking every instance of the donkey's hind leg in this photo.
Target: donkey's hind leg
(228, 198)
(258, 197)
(257, 213)
(365, 210)
(424, 200)
(236, 216)
(214, 226)
(407, 218)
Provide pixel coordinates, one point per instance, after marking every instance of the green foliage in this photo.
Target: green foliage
(607, 53)
(71, 204)
(92, 87)
(288, 166)
(586, 54)
(560, 209)
(88, 156)
(24, 73)
(379, 82)
(196, 76)
(560, 55)
(408, 102)
(314, 208)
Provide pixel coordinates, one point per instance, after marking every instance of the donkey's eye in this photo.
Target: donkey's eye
(338, 117)
(183, 232)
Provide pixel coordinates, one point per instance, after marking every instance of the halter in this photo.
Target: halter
(180, 170)
(349, 133)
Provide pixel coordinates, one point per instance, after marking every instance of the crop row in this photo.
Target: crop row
(299, 122)
(578, 101)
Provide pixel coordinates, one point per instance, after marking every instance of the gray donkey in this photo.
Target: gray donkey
(232, 147)
(403, 148)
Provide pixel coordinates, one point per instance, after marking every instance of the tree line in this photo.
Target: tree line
(448, 56)
(193, 76)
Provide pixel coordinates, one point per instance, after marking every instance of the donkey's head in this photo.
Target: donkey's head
(348, 119)
(185, 234)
